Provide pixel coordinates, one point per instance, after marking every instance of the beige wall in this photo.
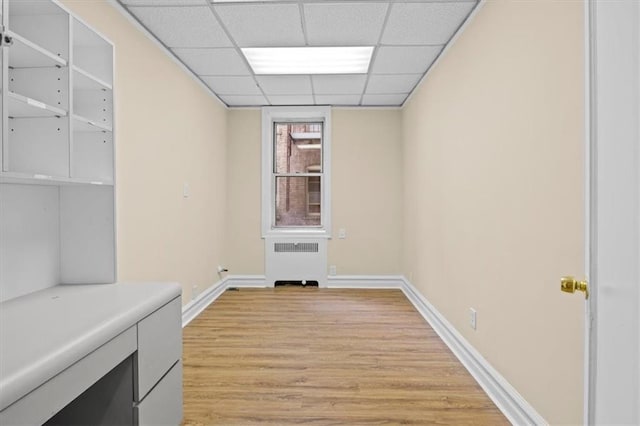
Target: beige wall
(244, 245)
(168, 131)
(366, 192)
(494, 213)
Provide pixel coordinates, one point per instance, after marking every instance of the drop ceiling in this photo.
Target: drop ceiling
(207, 37)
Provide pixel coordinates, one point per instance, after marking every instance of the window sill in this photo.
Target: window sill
(297, 233)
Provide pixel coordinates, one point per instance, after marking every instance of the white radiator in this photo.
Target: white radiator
(296, 259)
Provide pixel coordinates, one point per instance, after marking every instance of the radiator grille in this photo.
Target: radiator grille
(295, 247)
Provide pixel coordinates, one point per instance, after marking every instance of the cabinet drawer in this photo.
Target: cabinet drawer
(159, 346)
(163, 405)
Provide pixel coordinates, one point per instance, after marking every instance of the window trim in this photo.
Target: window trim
(316, 168)
(271, 115)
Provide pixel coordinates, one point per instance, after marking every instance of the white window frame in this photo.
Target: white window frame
(271, 115)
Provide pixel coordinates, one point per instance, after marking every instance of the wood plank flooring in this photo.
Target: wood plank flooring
(295, 355)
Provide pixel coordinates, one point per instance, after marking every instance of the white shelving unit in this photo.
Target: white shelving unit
(57, 226)
(92, 86)
(57, 221)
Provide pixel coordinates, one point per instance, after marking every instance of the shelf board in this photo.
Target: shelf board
(37, 179)
(82, 124)
(82, 80)
(26, 54)
(24, 107)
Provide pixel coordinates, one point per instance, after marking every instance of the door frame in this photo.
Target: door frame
(591, 38)
(589, 198)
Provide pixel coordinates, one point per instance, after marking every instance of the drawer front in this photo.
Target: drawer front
(159, 346)
(163, 405)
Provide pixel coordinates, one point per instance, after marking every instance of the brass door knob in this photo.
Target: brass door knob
(570, 285)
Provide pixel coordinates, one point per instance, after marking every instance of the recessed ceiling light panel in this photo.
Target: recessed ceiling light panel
(309, 60)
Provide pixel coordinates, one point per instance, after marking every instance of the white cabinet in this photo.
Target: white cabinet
(64, 347)
(92, 105)
(159, 347)
(163, 406)
(57, 176)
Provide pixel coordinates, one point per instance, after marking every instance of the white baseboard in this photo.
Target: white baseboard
(334, 281)
(249, 281)
(517, 410)
(204, 299)
(365, 281)
(208, 296)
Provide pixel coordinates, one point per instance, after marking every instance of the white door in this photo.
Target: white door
(613, 376)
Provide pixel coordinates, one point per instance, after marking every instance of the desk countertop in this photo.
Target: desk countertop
(43, 333)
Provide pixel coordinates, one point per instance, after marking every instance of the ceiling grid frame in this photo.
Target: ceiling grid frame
(306, 43)
(235, 45)
(375, 52)
(386, 90)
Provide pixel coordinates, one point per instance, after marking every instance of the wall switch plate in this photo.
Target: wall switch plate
(186, 190)
(342, 233)
(332, 270)
(473, 318)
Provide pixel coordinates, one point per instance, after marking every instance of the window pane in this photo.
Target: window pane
(297, 146)
(298, 201)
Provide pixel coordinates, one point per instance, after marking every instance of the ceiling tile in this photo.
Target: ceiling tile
(344, 24)
(183, 26)
(386, 100)
(233, 85)
(395, 83)
(285, 84)
(425, 22)
(162, 2)
(213, 61)
(338, 84)
(291, 99)
(404, 60)
(206, 40)
(263, 25)
(337, 99)
(233, 100)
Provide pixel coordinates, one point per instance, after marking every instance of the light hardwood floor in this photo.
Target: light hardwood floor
(326, 357)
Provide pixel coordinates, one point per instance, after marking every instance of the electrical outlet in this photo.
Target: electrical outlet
(332, 270)
(186, 191)
(342, 233)
(473, 317)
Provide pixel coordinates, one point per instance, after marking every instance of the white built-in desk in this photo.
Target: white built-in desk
(92, 354)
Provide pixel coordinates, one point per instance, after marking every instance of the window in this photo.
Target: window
(295, 170)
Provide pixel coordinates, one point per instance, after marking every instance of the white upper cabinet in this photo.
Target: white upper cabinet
(58, 123)
(92, 115)
(37, 138)
(57, 157)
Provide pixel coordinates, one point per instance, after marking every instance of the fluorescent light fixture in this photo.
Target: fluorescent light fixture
(309, 60)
